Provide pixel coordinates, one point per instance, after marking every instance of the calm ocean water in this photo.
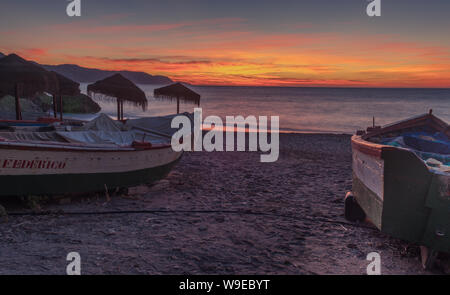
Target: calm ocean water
(341, 110)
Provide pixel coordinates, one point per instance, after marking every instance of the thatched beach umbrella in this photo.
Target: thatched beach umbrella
(19, 77)
(179, 92)
(119, 87)
(34, 79)
(66, 87)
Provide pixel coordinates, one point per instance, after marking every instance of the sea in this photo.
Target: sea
(300, 109)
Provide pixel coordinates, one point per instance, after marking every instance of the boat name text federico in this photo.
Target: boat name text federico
(31, 164)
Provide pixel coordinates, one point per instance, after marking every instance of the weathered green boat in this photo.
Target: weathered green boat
(401, 181)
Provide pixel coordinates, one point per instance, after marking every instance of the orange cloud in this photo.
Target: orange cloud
(32, 53)
(228, 52)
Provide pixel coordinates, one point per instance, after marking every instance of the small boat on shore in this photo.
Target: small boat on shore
(102, 154)
(401, 182)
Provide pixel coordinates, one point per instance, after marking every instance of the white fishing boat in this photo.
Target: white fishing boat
(102, 154)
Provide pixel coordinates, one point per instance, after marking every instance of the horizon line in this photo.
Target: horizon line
(306, 86)
(234, 85)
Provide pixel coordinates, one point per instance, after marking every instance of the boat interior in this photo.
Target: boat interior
(102, 132)
(426, 135)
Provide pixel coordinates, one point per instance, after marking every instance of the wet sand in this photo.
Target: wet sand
(229, 214)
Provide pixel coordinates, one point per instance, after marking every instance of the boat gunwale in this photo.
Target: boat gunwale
(425, 119)
(361, 142)
(370, 148)
(71, 147)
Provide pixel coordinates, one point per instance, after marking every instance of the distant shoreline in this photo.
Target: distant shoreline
(321, 87)
(284, 131)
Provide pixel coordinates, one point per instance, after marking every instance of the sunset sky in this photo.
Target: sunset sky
(245, 42)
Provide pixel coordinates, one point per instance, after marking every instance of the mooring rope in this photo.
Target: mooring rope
(172, 212)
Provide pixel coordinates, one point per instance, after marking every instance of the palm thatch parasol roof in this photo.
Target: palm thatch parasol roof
(119, 87)
(67, 86)
(177, 91)
(31, 77)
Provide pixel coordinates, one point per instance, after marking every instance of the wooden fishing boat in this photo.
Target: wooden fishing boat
(78, 161)
(401, 181)
(46, 169)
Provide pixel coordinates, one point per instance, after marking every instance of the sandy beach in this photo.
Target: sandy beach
(216, 213)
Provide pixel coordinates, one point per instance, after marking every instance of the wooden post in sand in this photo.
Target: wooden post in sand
(121, 110)
(60, 108)
(54, 106)
(17, 100)
(118, 109)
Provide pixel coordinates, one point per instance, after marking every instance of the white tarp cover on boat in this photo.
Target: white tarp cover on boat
(121, 138)
(102, 131)
(30, 136)
(159, 124)
(103, 123)
(103, 138)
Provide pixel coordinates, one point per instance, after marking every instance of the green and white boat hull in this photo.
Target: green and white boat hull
(400, 195)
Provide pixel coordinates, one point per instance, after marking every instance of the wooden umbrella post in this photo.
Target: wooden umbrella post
(54, 106)
(121, 110)
(118, 109)
(60, 108)
(17, 100)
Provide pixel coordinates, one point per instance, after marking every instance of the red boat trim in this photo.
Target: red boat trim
(78, 149)
(370, 148)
